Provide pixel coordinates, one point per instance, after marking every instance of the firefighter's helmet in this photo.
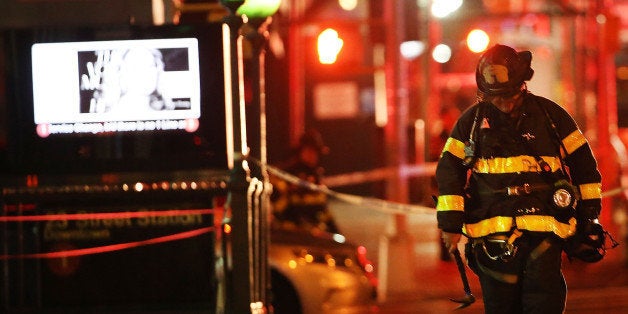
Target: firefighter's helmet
(502, 70)
(313, 139)
(589, 242)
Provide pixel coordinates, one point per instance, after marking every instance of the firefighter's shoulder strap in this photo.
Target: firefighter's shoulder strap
(562, 150)
(469, 145)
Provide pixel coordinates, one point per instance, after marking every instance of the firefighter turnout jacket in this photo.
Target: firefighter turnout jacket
(498, 173)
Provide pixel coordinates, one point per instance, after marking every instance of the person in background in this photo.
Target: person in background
(297, 206)
(518, 178)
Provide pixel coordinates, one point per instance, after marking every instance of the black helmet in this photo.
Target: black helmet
(501, 70)
(589, 242)
(313, 139)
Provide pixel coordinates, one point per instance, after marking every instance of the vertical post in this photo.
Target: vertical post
(238, 272)
(431, 73)
(296, 73)
(251, 217)
(394, 147)
(400, 244)
(607, 105)
(234, 71)
(258, 35)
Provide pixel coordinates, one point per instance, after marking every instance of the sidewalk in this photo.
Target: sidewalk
(593, 288)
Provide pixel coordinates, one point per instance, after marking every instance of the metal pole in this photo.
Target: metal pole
(238, 294)
(259, 39)
(400, 246)
(296, 72)
(607, 107)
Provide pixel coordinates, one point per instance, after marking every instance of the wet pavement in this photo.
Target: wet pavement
(414, 278)
(591, 290)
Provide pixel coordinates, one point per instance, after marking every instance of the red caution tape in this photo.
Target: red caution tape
(114, 247)
(89, 216)
(111, 248)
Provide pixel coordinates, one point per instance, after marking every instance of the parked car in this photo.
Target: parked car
(319, 272)
(314, 267)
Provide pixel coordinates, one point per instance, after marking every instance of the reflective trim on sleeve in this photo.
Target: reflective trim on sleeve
(515, 164)
(590, 191)
(455, 147)
(450, 202)
(573, 141)
(547, 224)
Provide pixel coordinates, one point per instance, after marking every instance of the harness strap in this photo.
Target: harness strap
(541, 248)
(514, 236)
(499, 276)
(511, 278)
(515, 190)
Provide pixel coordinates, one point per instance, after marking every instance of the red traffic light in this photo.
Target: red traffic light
(329, 45)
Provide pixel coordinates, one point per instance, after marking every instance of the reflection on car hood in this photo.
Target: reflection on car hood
(314, 239)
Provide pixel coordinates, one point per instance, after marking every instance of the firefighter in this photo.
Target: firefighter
(519, 180)
(299, 206)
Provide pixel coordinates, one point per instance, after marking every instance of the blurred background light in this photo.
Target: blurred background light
(442, 8)
(441, 53)
(259, 8)
(410, 50)
(348, 5)
(329, 46)
(477, 40)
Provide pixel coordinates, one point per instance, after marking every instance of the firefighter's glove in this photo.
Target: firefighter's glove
(451, 240)
(589, 242)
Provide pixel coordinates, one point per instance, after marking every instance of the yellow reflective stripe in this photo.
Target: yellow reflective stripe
(590, 191)
(488, 226)
(515, 164)
(573, 141)
(530, 222)
(450, 202)
(455, 147)
(547, 224)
